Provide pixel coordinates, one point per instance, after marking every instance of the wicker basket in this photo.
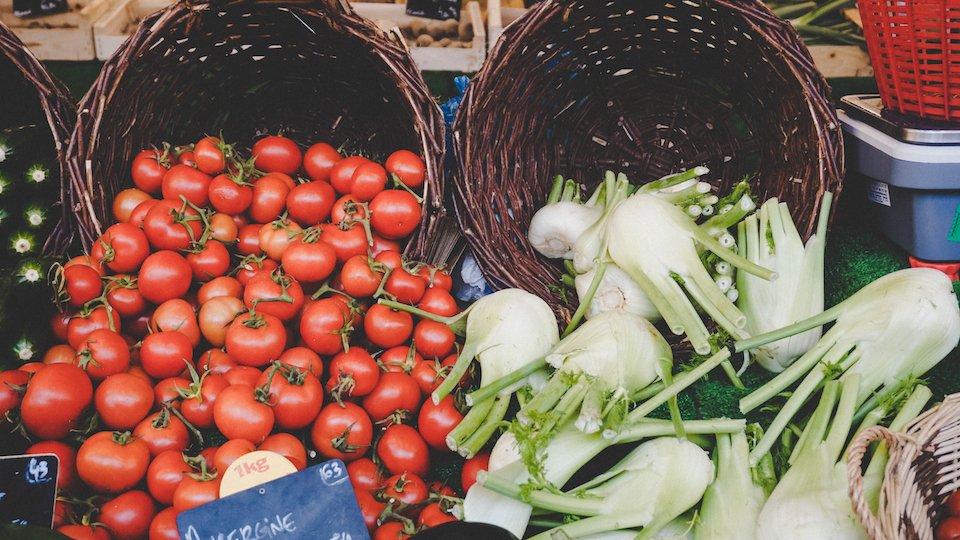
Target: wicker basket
(577, 87)
(34, 93)
(315, 70)
(923, 469)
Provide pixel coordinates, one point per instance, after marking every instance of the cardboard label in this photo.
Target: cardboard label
(316, 503)
(434, 9)
(879, 192)
(253, 469)
(28, 489)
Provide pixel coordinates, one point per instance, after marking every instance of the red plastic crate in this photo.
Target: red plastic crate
(914, 47)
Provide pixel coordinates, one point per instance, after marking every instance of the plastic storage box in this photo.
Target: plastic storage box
(908, 170)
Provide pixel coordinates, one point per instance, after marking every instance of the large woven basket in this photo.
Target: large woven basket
(244, 68)
(29, 92)
(923, 469)
(578, 87)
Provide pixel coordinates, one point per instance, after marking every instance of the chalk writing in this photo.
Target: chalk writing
(260, 530)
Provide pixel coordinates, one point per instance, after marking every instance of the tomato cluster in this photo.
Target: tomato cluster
(235, 299)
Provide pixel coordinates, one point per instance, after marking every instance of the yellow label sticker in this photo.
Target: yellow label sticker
(253, 469)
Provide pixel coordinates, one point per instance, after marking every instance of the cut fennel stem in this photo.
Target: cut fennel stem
(896, 327)
(563, 456)
(798, 291)
(733, 501)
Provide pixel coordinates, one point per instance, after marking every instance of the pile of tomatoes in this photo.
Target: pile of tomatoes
(233, 307)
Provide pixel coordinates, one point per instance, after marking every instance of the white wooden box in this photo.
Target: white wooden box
(61, 36)
(434, 58)
(113, 28)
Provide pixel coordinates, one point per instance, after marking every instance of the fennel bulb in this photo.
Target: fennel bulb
(894, 328)
(771, 240)
(555, 227)
(598, 367)
(811, 501)
(664, 255)
(732, 503)
(616, 290)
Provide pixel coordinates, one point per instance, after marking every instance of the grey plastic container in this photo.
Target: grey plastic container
(912, 191)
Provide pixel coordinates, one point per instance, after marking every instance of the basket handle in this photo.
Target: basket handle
(855, 454)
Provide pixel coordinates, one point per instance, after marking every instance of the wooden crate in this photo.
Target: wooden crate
(832, 60)
(113, 28)
(390, 16)
(62, 36)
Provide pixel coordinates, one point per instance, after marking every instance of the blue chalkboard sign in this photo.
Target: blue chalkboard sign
(28, 489)
(316, 503)
(434, 9)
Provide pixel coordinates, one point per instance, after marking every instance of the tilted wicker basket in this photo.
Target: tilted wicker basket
(315, 70)
(576, 88)
(922, 470)
(29, 91)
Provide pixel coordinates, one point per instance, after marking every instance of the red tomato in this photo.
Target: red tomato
(123, 400)
(348, 206)
(10, 395)
(193, 492)
(208, 155)
(365, 475)
(165, 473)
(168, 391)
(948, 529)
(310, 203)
(352, 373)
(254, 266)
(347, 240)
(342, 431)
(381, 244)
(67, 477)
(288, 446)
(395, 398)
(436, 421)
(231, 451)
(223, 228)
(953, 504)
(230, 195)
(167, 227)
(403, 450)
(395, 213)
(319, 159)
(148, 169)
(243, 375)
(324, 326)
(303, 358)
(123, 295)
(56, 398)
(370, 509)
(215, 317)
(209, 261)
(435, 277)
(163, 431)
(239, 415)
(128, 516)
(439, 302)
(468, 475)
(82, 283)
(219, 286)
(360, 276)
(248, 240)
(277, 154)
(273, 293)
(164, 525)
(126, 201)
(85, 532)
(103, 353)
(401, 358)
(177, 314)
(434, 514)
(269, 199)
(139, 214)
(387, 327)
(391, 530)
(295, 395)
(309, 262)
(342, 172)
(216, 361)
(433, 339)
(187, 182)
(197, 406)
(406, 488)
(408, 167)
(163, 276)
(255, 340)
(274, 237)
(80, 326)
(112, 462)
(367, 181)
(124, 247)
(404, 286)
(165, 354)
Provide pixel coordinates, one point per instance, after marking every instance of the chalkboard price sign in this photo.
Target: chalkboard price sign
(434, 9)
(316, 503)
(28, 489)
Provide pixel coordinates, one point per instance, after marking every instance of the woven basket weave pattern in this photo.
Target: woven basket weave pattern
(577, 88)
(318, 72)
(57, 105)
(923, 469)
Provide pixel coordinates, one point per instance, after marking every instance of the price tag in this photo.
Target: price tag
(316, 503)
(28, 489)
(253, 469)
(434, 9)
